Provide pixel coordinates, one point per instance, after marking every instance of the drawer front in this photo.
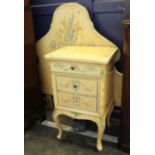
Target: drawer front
(79, 102)
(83, 86)
(76, 68)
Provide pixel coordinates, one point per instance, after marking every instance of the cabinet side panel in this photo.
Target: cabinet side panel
(108, 86)
(53, 79)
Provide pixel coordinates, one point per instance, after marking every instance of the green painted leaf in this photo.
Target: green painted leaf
(102, 72)
(102, 121)
(76, 113)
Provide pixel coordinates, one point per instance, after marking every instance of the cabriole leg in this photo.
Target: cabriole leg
(101, 127)
(109, 115)
(58, 124)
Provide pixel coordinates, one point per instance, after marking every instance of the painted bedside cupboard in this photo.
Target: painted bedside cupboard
(82, 79)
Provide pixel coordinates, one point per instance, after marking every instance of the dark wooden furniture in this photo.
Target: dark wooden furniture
(33, 106)
(125, 114)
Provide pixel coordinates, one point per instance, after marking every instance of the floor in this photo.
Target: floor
(41, 140)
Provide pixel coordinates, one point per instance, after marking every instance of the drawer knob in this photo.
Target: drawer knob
(75, 86)
(72, 68)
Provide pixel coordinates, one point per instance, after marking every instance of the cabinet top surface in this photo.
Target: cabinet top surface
(93, 54)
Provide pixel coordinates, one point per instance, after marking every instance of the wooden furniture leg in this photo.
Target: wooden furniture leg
(58, 124)
(101, 128)
(109, 115)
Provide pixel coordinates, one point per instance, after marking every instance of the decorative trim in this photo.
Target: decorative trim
(76, 114)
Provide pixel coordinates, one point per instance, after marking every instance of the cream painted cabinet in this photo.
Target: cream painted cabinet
(83, 82)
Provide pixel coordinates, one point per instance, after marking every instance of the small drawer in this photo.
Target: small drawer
(76, 85)
(76, 68)
(80, 102)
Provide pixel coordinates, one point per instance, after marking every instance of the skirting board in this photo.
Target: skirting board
(91, 134)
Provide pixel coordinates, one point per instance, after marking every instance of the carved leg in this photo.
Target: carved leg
(109, 115)
(101, 127)
(58, 124)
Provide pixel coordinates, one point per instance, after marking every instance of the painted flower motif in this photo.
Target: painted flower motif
(78, 11)
(69, 32)
(63, 22)
(78, 27)
(53, 44)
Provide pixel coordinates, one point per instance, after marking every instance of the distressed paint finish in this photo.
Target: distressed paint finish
(93, 97)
